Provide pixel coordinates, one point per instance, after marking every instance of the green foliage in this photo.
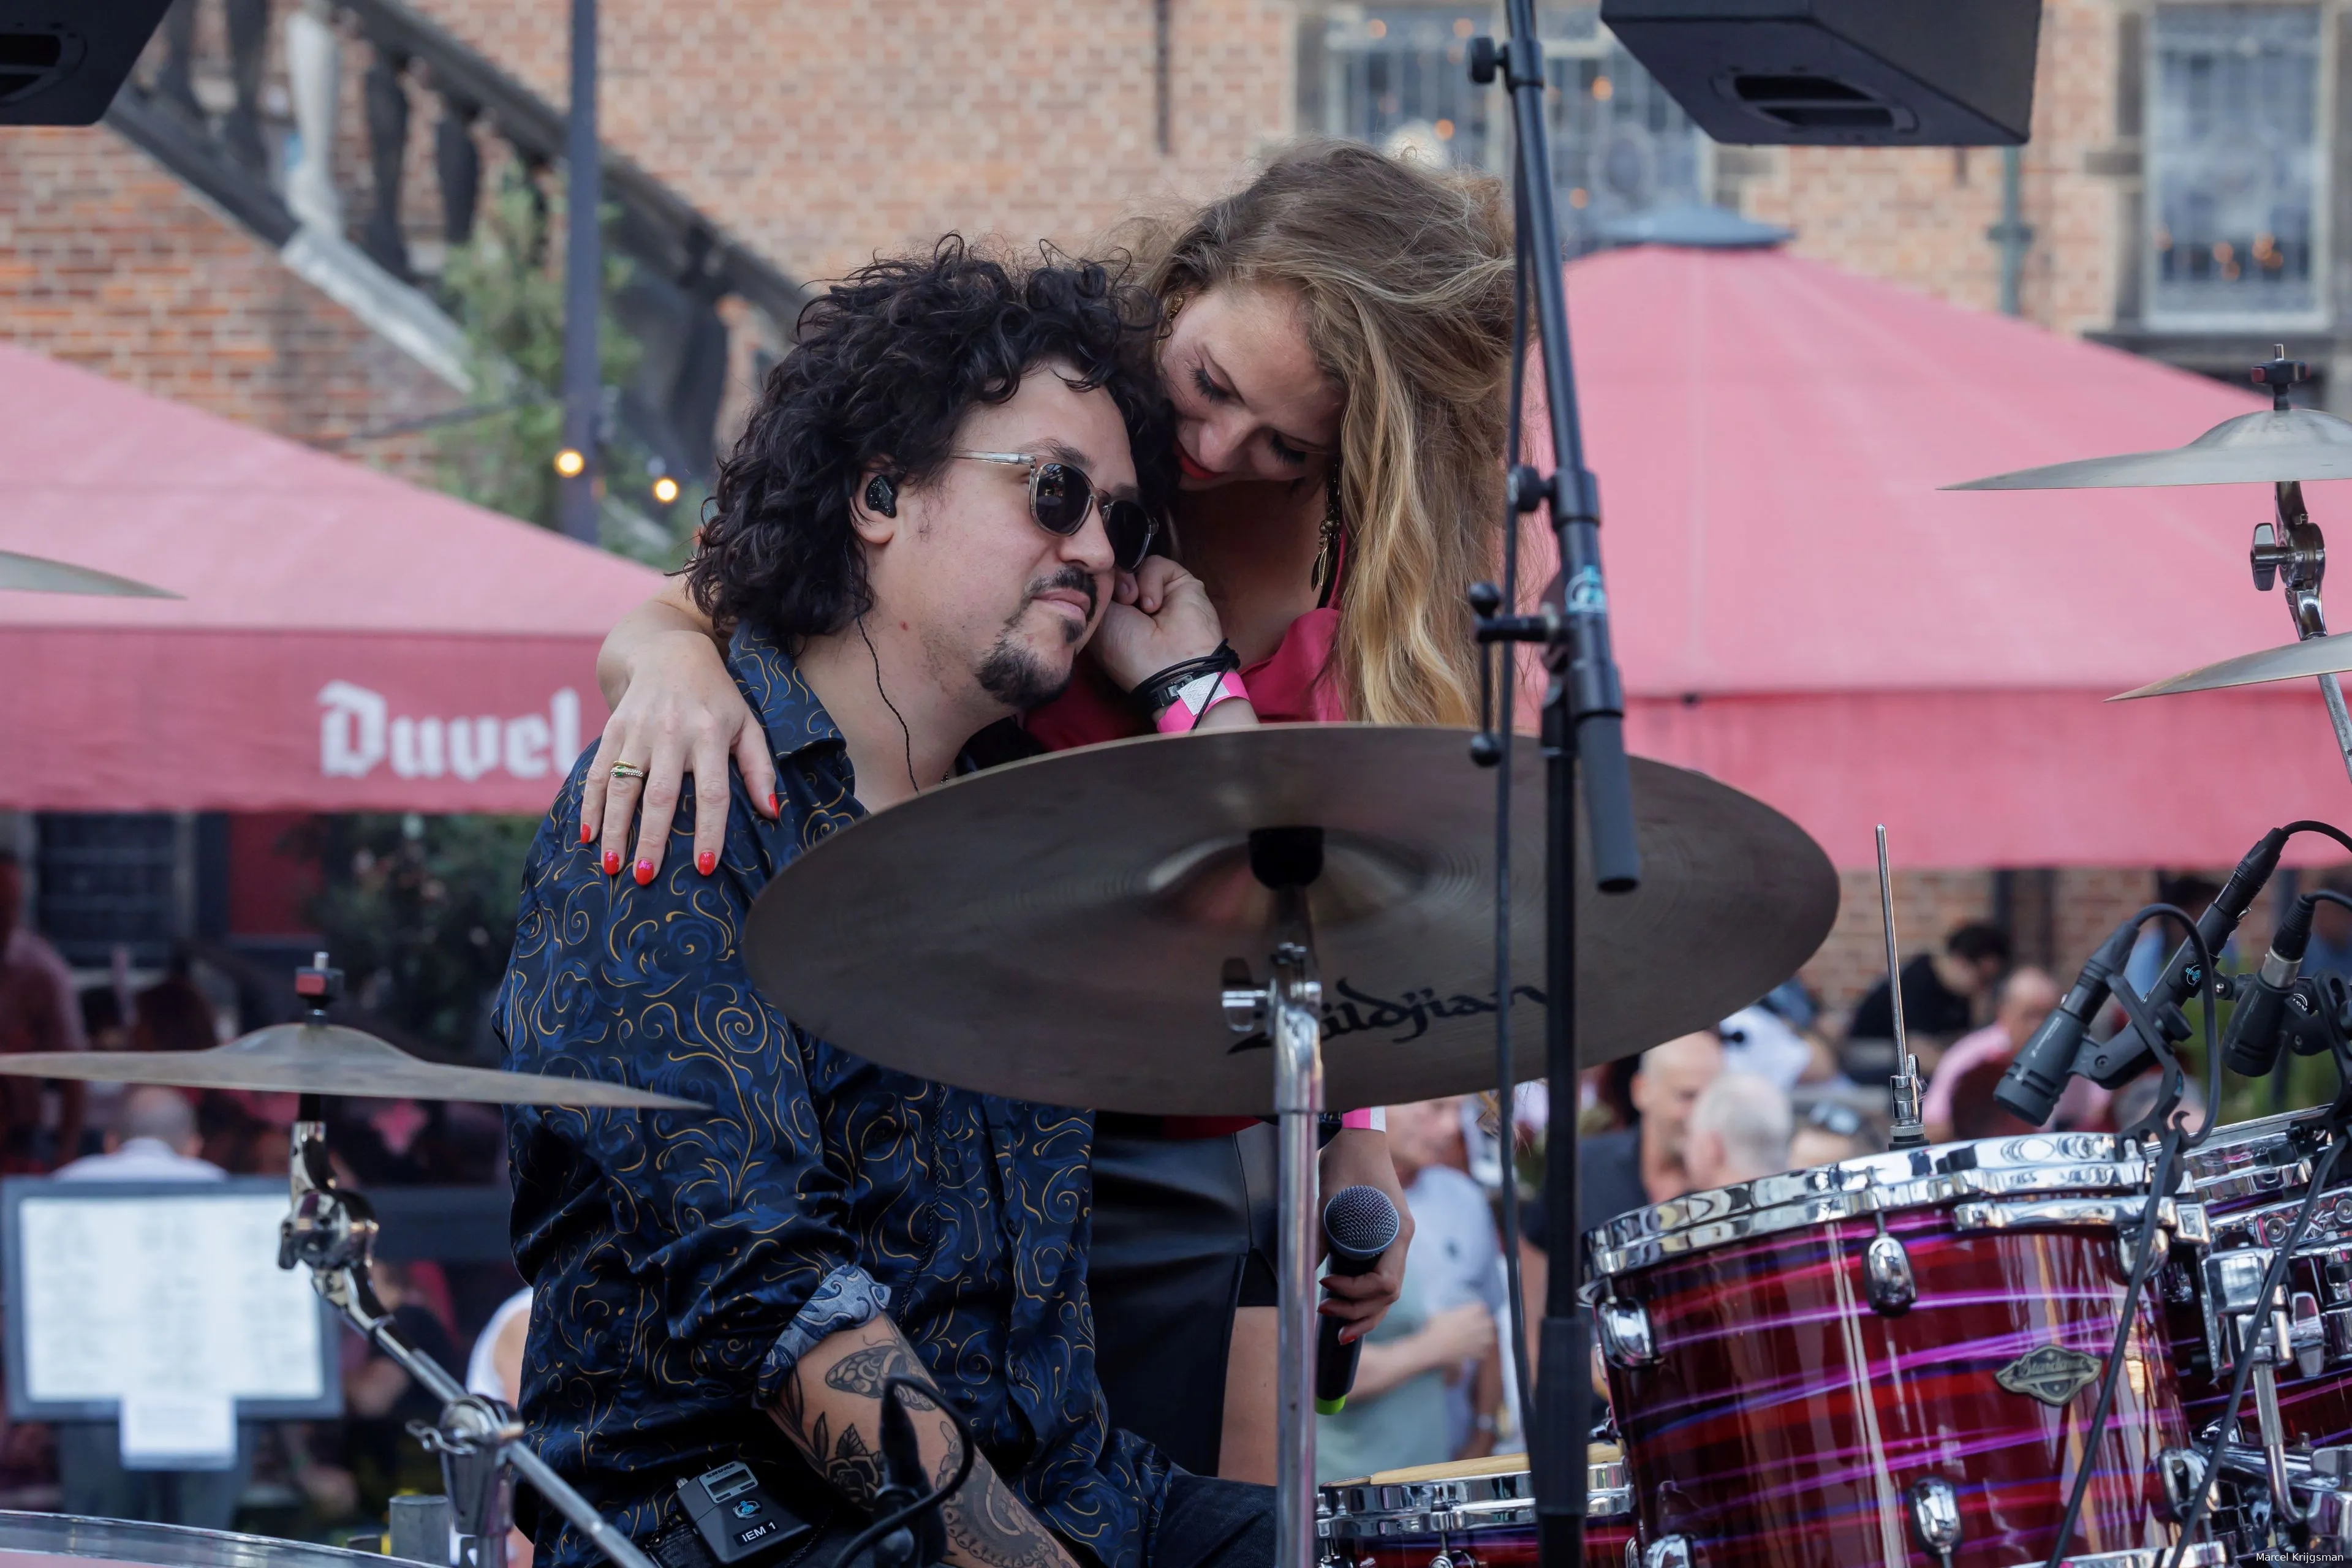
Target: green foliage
(506, 289)
(419, 913)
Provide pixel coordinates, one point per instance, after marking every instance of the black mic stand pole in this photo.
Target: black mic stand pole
(1583, 722)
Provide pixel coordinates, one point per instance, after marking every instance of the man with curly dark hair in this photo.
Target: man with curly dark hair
(919, 530)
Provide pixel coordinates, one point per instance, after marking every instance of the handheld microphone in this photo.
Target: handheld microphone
(2253, 1044)
(2031, 1088)
(1361, 1223)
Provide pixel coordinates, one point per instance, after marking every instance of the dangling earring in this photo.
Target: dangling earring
(1325, 577)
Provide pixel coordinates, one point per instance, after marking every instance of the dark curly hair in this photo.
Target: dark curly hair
(884, 367)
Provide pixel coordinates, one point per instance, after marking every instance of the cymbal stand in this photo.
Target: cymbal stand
(1289, 1008)
(2292, 552)
(479, 1440)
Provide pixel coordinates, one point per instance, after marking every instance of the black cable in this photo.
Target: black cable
(865, 1539)
(2307, 826)
(2166, 1113)
(904, 734)
(1507, 1097)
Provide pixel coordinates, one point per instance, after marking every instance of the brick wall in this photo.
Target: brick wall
(826, 130)
(110, 263)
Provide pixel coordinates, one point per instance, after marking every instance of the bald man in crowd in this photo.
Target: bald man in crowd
(1740, 1130)
(1635, 1166)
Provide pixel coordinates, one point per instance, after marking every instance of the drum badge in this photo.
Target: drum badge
(2050, 1373)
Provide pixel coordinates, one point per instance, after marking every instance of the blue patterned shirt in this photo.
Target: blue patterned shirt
(682, 1263)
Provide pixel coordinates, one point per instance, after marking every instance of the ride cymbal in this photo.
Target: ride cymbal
(37, 574)
(2271, 446)
(328, 1059)
(1055, 930)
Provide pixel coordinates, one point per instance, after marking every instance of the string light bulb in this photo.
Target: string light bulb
(569, 463)
(665, 489)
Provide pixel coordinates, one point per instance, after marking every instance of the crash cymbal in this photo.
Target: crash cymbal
(2312, 656)
(328, 1059)
(36, 574)
(1055, 930)
(2273, 446)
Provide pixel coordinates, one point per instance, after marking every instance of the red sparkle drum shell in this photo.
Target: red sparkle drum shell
(1781, 1420)
(1470, 1513)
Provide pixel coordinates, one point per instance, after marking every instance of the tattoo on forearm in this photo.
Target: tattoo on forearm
(866, 1373)
(989, 1526)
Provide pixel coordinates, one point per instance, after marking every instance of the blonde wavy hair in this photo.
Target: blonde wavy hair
(1406, 275)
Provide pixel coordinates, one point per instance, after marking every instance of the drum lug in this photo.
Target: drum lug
(1625, 1336)
(1887, 1277)
(1667, 1551)
(2126, 1257)
(1936, 1516)
(1633, 1552)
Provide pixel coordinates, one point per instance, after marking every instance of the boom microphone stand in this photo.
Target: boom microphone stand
(1583, 722)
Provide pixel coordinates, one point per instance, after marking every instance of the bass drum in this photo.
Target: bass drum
(1893, 1361)
(1470, 1513)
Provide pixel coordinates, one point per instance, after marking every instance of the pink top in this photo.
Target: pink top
(1284, 687)
(2081, 1105)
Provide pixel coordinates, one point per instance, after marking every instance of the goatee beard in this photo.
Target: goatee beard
(1010, 673)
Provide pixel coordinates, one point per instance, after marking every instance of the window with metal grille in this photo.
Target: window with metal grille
(110, 878)
(1398, 76)
(2237, 161)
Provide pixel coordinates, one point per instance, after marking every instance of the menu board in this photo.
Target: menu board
(162, 1304)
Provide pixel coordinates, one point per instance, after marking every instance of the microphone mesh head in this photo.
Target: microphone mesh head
(1359, 1222)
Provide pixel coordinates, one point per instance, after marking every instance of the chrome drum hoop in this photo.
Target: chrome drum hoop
(1935, 1177)
(168, 1545)
(2255, 1159)
(1377, 1511)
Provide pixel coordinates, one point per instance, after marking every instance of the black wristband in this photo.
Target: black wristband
(1155, 694)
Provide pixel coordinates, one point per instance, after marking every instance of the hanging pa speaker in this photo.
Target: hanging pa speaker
(1842, 73)
(62, 62)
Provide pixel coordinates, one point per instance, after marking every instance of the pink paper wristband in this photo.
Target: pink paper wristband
(1181, 716)
(1375, 1117)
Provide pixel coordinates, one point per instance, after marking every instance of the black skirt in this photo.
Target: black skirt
(1184, 1233)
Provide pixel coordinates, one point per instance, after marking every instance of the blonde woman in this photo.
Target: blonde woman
(1336, 353)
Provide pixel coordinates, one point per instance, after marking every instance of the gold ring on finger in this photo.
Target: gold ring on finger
(628, 770)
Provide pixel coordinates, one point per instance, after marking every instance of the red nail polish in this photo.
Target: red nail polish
(772, 803)
(611, 862)
(645, 872)
(583, 832)
(705, 862)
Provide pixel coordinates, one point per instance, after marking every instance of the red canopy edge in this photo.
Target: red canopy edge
(120, 720)
(1967, 780)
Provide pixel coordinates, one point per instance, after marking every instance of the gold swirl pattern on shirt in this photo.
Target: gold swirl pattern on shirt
(672, 1253)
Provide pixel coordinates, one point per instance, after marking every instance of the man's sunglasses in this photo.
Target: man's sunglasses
(1060, 496)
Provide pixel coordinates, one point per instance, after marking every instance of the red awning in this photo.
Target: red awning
(346, 641)
(1801, 612)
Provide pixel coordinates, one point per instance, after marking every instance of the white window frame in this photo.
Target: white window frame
(2323, 236)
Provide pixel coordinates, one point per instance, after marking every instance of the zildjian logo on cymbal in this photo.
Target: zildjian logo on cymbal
(1358, 1012)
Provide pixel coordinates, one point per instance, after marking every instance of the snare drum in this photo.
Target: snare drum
(1892, 1360)
(1470, 1513)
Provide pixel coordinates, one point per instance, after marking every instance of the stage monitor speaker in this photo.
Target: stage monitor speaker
(1842, 73)
(62, 62)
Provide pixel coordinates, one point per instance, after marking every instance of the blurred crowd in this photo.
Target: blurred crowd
(300, 1480)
